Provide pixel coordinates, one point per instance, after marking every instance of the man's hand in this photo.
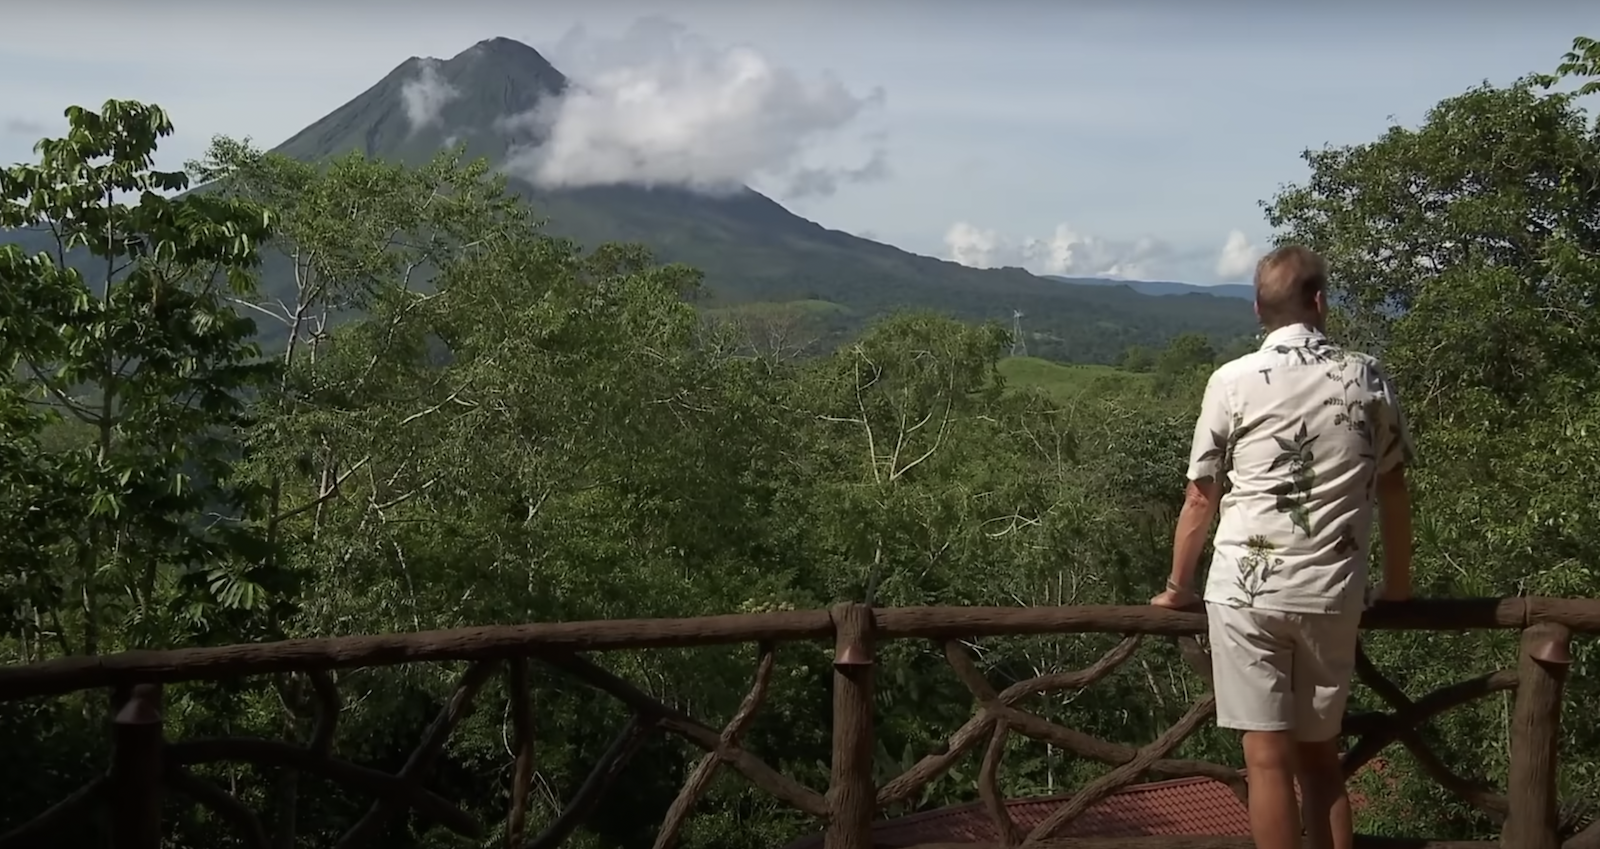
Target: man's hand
(1393, 591)
(1176, 599)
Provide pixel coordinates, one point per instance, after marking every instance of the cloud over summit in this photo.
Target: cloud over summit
(426, 96)
(660, 106)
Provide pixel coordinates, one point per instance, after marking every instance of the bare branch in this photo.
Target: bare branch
(325, 496)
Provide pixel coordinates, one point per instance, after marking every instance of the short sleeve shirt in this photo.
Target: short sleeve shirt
(1297, 432)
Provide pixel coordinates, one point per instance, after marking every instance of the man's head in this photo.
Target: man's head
(1291, 283)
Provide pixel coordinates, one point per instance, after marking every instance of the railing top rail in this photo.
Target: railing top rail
(487, 642)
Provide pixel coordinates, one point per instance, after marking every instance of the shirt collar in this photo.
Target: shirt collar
(1290, 334)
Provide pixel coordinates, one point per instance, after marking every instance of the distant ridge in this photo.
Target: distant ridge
(1159, 288)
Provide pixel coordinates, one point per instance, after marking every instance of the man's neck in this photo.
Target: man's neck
(1309, 325)
(1292, 331)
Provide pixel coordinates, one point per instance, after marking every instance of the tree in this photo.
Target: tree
(1185, 351)
(1185, 360)
(151, 368)
(892, 408)
(124, 418)
(1139, 359)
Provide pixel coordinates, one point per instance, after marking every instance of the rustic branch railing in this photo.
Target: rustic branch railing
(144, 765)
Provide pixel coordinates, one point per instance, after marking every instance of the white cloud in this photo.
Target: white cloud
(1066, 252)
(1238, 258)
(977, 248)
(426, 96)
(659, 106)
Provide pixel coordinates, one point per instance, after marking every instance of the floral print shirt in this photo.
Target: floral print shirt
(1298, 433)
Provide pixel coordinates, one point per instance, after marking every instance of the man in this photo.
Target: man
(1297, 444)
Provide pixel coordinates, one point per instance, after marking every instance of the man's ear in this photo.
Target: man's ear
(1320, 299)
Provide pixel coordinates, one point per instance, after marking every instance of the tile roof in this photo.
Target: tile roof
(1184, 806)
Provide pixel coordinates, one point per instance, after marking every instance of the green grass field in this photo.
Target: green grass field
(1059, 381)
(1063, 381)
(773, 310)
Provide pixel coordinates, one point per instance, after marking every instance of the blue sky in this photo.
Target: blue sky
(1127, 138)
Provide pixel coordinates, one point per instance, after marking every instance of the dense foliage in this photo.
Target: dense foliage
(547, 433)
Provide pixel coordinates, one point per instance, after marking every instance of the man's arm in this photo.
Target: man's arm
(1202, 495)
(1200, 501)
(1395, 452)
(1394, 527)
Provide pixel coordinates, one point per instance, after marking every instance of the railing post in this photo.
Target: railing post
(852, 797)
(522, 742)
(1542, 663)
(136, 744)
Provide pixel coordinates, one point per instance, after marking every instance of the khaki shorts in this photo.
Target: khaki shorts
(1280, 671)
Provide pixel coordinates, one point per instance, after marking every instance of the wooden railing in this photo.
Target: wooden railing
(144, 764)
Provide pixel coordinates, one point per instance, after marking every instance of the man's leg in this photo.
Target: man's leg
(1252, 653)
(1325, 658)
(1274, 816)
(1324, 804)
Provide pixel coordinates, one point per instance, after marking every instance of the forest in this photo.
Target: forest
(548, 433)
